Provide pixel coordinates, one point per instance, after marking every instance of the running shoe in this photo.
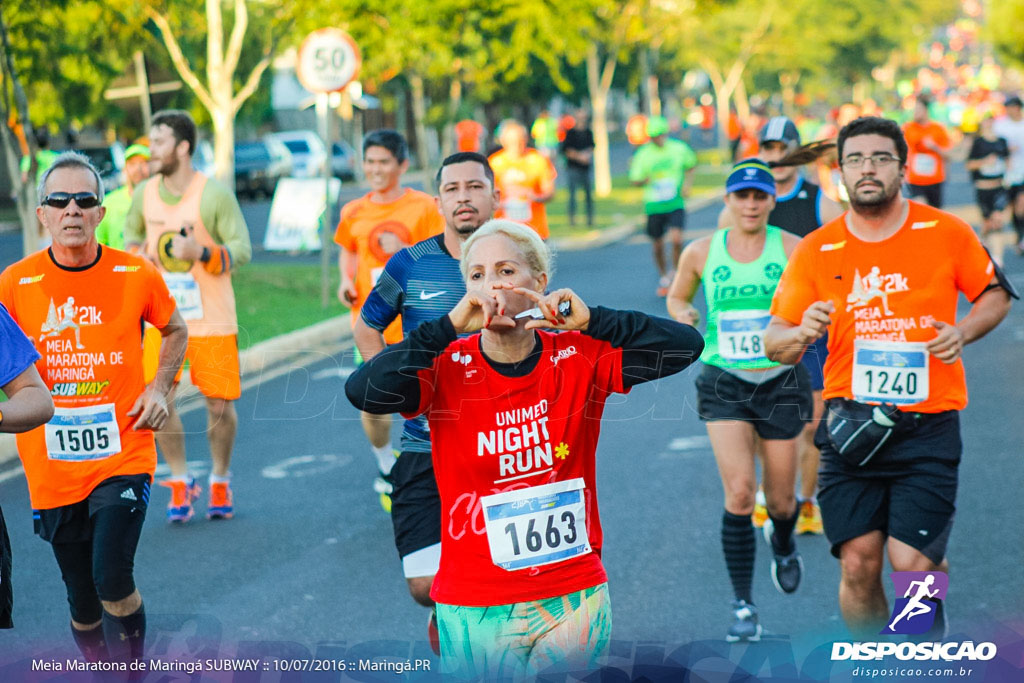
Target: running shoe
(383, 486)
(744, 623)
(760, 516)
(787, 568)
(220, 501)
(433, 635)
(183, 494)
(663, 285)
(809, 521)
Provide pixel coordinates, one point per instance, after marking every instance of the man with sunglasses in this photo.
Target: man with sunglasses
(89, 469)
(893, 340)
(192, 227)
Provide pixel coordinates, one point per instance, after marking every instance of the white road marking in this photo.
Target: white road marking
(305, 465)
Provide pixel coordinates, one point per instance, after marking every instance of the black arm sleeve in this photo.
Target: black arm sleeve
(652, 347)
(389, 382)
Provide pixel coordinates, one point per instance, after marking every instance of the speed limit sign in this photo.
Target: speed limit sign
(328, 61)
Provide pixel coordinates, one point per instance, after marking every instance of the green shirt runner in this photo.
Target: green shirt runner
(665, 169)
(739, 296)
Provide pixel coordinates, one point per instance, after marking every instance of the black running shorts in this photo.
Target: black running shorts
(71, 523)
(415, 503)
(990, 201)
(907, 491)
(931, 193)
(660, 223)
(778, 408)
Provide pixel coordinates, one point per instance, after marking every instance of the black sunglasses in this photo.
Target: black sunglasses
(60, 200)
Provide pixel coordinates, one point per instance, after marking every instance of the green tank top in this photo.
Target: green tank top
(739, 296)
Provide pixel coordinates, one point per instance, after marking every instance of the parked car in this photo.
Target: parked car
(307, 150)
(202, 158)
(109, 161)
(257, 169)
(343, 160)
(282, 158)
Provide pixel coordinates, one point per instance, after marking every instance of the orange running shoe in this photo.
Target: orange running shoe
(809, 521)
(220, 501)
(183, 494)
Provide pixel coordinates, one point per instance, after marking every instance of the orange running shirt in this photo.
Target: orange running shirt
(925, 167)
(467, 135)
(518, 179)
(413, 217)
(87, 325)
(888, 291)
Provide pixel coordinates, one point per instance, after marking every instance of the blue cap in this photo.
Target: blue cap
(751, 173)
(780, 128)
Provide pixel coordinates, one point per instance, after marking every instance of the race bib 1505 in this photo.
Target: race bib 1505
(76, 434)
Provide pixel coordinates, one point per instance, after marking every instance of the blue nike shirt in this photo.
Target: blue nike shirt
(421, 282)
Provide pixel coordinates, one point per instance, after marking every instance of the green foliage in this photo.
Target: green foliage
(64, 79)
(1004, 20)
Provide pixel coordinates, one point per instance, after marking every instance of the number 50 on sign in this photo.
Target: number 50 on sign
(328, 61)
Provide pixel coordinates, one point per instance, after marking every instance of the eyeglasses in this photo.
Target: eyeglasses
(60, 200)
(880, 160)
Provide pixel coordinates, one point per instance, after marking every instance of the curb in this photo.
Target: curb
(602, 238)
(255, 360)
(279, 350)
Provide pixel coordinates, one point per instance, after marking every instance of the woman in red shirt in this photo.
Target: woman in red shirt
(514, 412)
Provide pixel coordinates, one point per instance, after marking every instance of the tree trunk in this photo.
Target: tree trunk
(742, 101)
(224, 143)
(25, 193)
(454, 104)
(722, 95)
(788, 81)
(599, 83)
(419, 113)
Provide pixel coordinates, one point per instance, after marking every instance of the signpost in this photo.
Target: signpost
(328, 61)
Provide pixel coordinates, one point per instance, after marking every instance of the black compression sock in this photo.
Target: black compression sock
(91, 643)
(782, 537)
(126, 636)
(739, 547)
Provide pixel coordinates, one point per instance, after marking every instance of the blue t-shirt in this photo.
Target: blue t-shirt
(422, 282)
(16, 351)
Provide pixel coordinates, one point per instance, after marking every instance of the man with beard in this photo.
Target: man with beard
(894, 382)
(371, 229)
(192, 227)
(420, 283)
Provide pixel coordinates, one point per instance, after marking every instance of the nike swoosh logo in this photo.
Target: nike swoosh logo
(424, 296)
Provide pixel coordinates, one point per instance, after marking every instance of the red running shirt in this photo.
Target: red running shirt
(491, 433)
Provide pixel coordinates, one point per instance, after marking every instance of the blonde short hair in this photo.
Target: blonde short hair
(533, 249)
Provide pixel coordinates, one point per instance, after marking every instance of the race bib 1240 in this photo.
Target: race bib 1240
(890, 372)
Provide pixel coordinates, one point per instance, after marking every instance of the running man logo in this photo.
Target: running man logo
(914, 613)
(873, 286)
(68, 316)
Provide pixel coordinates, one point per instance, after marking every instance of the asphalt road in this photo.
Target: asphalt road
(307, 569)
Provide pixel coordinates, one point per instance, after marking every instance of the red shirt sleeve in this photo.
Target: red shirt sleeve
(607, 362)
(428, 379)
